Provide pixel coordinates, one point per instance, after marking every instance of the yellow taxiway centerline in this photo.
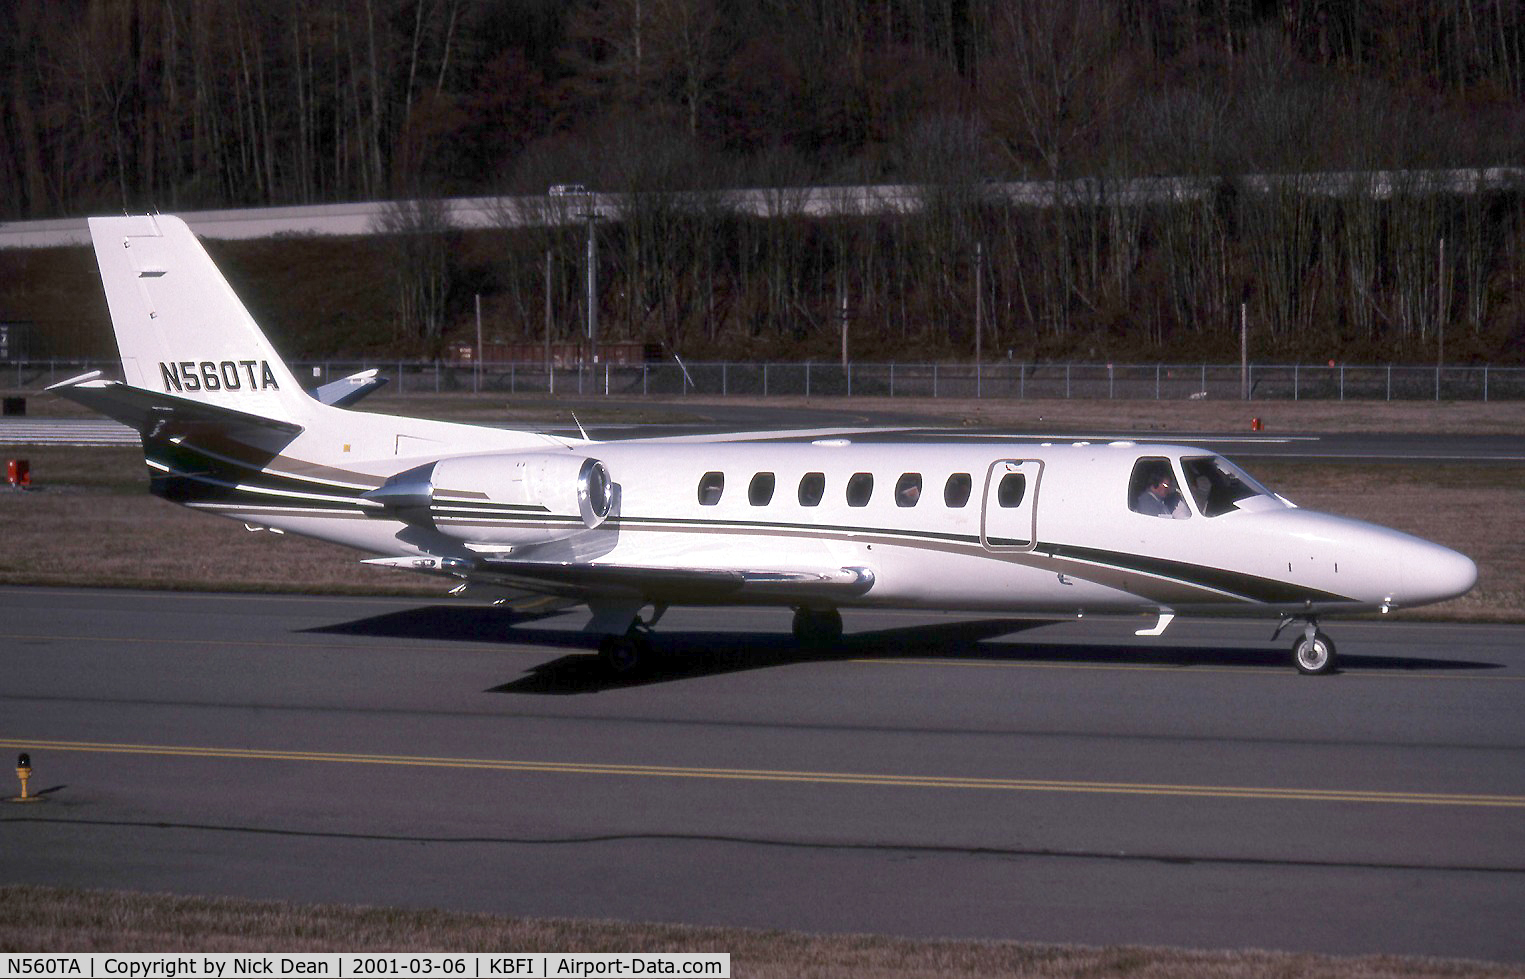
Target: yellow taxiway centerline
(764, 775)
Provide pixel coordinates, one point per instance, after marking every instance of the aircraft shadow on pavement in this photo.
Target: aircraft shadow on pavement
(685, 655)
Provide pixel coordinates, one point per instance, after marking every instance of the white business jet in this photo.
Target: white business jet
(1002, 527)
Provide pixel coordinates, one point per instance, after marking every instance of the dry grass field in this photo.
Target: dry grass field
(34, 918)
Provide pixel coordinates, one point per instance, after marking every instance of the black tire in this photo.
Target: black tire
(1314, 657)
(624, 655)
(817, 627)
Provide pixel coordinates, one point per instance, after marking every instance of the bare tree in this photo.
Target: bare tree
(419, 236)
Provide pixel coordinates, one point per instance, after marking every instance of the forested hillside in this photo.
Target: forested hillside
(178, 104)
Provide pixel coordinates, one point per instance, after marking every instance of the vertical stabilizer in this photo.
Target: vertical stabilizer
(179, 326)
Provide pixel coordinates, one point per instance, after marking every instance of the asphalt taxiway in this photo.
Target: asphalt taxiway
(935, 775)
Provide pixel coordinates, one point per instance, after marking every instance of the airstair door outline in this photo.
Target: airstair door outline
(1009, 509)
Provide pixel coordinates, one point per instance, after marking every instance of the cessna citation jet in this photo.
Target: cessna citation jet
(1002, 527)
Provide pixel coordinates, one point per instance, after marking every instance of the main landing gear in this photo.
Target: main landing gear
(817, 627)
(1313, 652)
(625, 655)
(630, 653)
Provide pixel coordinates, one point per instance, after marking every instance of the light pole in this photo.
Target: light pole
(581, 194)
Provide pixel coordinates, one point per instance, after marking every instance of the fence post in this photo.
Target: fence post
(1066, 382)
(1389, 382)
(1294, 382)
(934, 380)
(892, 380)
(725, 378)
(1342, 382)
(765, 380)
(807, 378)
(1485, 384)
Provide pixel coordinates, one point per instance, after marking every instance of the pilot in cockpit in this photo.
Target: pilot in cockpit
(1160, 498)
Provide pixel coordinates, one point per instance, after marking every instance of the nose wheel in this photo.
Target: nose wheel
(1313, 652)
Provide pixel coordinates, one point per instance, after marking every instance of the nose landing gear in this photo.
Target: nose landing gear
(1313, 652)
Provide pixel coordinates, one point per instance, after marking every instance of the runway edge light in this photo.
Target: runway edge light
(24, 772)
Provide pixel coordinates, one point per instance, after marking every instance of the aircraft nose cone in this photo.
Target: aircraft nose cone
(1432, 573)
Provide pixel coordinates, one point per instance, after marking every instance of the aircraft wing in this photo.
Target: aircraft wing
(151, 411)
(650, 583)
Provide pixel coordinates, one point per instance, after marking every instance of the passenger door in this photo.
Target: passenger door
(1009, 513)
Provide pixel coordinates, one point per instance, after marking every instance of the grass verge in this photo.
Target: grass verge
(42, 919)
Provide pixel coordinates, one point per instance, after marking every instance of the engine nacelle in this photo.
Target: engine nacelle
(505, 498)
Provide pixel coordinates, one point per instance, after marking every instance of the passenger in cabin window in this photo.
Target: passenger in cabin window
(1161, 499)
(908, 490)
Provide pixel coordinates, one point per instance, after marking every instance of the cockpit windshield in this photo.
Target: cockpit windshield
(1218, 486)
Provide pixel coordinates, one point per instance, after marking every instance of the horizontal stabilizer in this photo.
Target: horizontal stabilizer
(150, 411)
(348, 390)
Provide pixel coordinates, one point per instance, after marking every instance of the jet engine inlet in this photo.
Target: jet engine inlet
(593, 495)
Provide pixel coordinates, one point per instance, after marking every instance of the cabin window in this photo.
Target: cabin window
(908, 489)
(956, 490)
(760, 492)
(1152, 489)
(1217, 486)
(1010, 491)
(860, 486)
(812, 488)
(711, 485)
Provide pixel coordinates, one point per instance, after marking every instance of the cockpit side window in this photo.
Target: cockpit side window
(1152, 489)
(1217, 486)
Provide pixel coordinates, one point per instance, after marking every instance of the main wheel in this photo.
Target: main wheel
(624, 655)
(820, 627)
(1313, 655)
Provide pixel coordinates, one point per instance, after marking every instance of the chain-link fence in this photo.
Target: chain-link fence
(1270, 382)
